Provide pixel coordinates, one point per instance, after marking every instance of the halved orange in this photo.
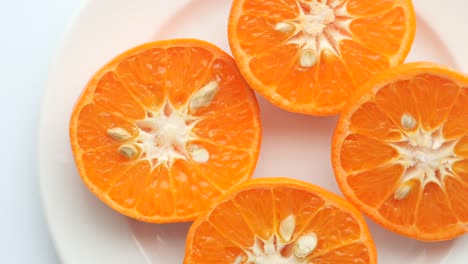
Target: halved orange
(400, 151)
(164, 129)
(280, 220)
(308, 56)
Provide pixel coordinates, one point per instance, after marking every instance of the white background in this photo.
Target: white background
(30, 33)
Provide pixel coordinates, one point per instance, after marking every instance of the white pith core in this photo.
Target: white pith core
(425, 155)
(166, 135)
(279, 249)
(318, 27)
(163, 138)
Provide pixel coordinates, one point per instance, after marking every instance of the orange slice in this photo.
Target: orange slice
(280, 220)
(400, 151)
(164, 129)
(308, 56)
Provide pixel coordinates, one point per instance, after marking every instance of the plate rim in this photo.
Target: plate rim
(71, 24)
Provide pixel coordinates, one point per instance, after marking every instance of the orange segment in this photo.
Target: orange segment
(256, 208)
(103, 165)
(369, 31)
(457, 195)
(228, 166)
(396, 100)
(396, 211)
(260, 27)
(228, 95)
(226, 218)
(369, 8)
(461, 148)
(371, 122)
(126, 190)
(332, 68)
(374, 186)
(284, 9)
(210, 247)
(353, 253)
(460, 168)
(144, 74)
(164, 129)
(435, 98)
(361, 153)
(362, 62)
(433, 200)
(94, 121)
(309, 56)
(456, 124)
(191, 190)
(300, 203)
(399, 151)
(112, 95)
(297, 83)
(279, 220)
(158, 196)
(334, 228)
(175, 84)
(190, 71)
(233, 127)
(272, 65)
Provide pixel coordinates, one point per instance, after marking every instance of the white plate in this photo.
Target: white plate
(87, 231)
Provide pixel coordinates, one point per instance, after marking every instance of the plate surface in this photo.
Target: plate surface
(297, 146)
